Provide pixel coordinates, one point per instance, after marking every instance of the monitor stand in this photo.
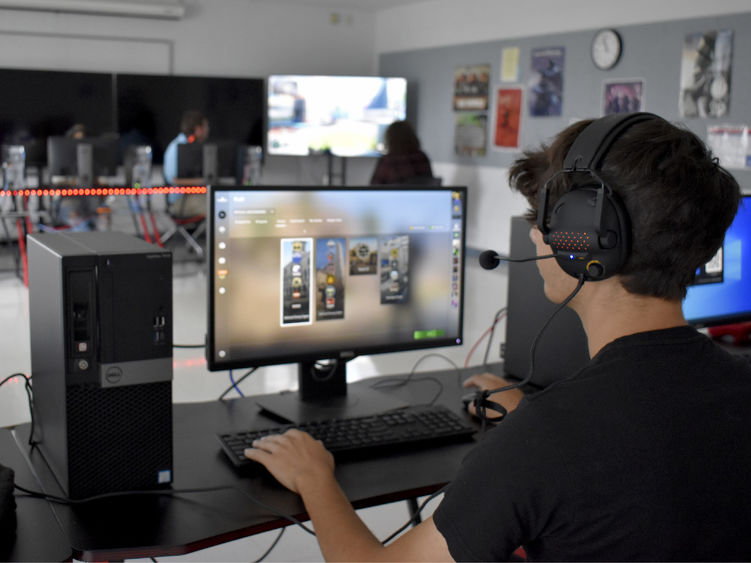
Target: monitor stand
(324, 394)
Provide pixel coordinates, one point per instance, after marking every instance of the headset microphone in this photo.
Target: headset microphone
(490, 259)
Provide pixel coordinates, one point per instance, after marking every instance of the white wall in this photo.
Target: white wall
(436, 23)
(244, 38)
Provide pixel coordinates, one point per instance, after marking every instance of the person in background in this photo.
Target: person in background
(404, 160)
(76, 213)
(194, 127)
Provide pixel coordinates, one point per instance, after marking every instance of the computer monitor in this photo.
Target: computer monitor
(721, 293)
(190, 160)
(105, 154)
(211, 161)
(346, 115)
(62, 156)
(307, 274)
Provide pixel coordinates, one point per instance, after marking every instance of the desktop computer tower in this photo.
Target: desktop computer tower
(100, 314)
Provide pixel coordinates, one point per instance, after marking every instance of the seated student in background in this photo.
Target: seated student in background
(644, 454)
(404, 160)
(76, 213)
(194, 127)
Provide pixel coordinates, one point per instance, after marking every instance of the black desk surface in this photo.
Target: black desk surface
(151, 526)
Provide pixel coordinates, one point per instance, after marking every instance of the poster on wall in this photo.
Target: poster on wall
(705, 74)
(507, 123)
(471, 88)
(470, 137)
(510, 64)
(545, 90)
(622, 96)
(730, 144)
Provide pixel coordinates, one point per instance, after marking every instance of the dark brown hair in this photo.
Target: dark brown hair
(679, 199)
(400, 138)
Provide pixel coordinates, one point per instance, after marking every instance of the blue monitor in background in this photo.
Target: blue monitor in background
(722, 294)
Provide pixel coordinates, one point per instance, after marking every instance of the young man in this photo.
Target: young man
(194, 127)
(643, 454)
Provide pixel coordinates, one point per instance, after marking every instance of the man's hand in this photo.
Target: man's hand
(485, 381)
(294, 458)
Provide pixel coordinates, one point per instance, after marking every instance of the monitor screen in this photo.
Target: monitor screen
(301, 274)
(721, 293)
(346, 115)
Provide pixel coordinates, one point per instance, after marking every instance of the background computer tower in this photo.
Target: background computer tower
(100, 313)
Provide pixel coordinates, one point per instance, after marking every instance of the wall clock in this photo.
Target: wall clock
(607, 46)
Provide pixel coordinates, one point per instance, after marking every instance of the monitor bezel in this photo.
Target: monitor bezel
(335, 352)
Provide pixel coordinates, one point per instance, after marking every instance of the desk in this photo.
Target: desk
(152, 526)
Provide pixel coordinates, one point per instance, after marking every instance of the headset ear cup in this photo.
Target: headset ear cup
(573, 233)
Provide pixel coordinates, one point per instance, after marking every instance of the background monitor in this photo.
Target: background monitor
(301, 274)
(722, 292)
(105, 154)
(62, 156)
(190, 160)
(344, 114)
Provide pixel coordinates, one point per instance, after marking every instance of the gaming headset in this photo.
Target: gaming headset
(589, 229)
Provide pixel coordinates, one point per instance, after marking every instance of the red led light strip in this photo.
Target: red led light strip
(67, 192)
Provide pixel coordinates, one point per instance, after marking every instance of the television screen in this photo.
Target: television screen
(721, 293)
(346, 115)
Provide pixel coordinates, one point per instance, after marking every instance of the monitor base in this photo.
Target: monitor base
(360, 401)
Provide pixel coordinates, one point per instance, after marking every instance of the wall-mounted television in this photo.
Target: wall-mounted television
(346, 115)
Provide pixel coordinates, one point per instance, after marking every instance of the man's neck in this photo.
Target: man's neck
(607, 312)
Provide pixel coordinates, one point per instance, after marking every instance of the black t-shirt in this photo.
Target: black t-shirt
(645, 454)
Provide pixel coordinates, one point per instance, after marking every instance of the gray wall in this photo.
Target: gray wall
(651, 52)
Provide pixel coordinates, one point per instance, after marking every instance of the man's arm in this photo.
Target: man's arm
(303, 465)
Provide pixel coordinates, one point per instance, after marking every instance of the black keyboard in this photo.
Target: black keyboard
(391, 430)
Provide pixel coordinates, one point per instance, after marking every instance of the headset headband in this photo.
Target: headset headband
(593, 143)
